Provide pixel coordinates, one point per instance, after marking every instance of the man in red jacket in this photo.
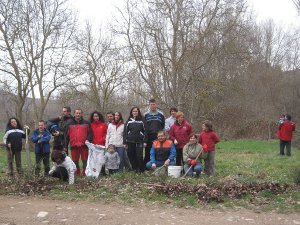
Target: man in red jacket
(78, 131)
(285, 135)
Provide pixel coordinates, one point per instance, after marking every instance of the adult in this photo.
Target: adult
(41, 138)
(62, 121)
(78, 131)
(179, 134)
(115, 133)
(171, 120)
(155, 121)
(13, 142)
(99, 129)
(192, 155)
(285, 135)
(133, 139)
(109, 117)
(162, 152)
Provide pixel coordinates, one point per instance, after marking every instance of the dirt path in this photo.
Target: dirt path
(19, 210)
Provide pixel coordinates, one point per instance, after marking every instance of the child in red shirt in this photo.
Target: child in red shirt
(285, 134)
(208, 138)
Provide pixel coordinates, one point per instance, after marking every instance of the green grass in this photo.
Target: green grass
(243, 161)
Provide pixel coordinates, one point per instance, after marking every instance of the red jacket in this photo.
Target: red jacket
(181, 133)
(78, 132)
(286, 131)
(99, 129)
(209, 139)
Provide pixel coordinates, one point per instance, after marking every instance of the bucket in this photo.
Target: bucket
(174, 171)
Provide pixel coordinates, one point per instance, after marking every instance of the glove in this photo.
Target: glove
(189, 162)
(204, 147)
(193, 162)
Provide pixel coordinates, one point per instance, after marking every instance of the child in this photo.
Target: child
(208, 138)
(285, 134)
(192, 154)
(41, 138)
(112, 159)
(64, 168)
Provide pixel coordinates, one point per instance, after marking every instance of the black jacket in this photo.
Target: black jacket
(14, 137)
(134, 131)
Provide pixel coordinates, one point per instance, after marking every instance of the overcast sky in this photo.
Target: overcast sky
(281, 11)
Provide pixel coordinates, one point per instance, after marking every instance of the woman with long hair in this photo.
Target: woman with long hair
(114, 137)
(134, 139)
(13, 142)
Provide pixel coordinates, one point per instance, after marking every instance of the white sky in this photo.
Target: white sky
(98, 12)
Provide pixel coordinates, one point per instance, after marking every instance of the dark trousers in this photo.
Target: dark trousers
(42, 157)
(10, 159)
(151, 138)
(112, 171)
(61, 173)
(135, 155)
(287, 145)
(179, 158)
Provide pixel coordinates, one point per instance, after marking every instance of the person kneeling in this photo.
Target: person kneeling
(64, 168)
(162, 152)
(192, 154)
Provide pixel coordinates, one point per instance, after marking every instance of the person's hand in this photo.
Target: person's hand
(51, 172)
(26, 127)
(175, 142)
(167, 162)
(126, 146)
(9, 145)
(153, 165)
(204, 147)
(86, 142)
(39, 142)
(193, 162)
(40, 136)
(145, 145)
(189, 162)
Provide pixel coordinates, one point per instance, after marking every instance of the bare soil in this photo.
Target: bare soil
(35, 210)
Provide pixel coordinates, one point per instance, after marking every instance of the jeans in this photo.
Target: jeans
(286, 144)
(124, 161)
(159, 164)
(197, 168)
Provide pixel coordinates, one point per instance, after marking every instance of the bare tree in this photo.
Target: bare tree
(37, 38)
(100, 66)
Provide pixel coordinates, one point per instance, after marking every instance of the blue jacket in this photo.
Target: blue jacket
(43, 146)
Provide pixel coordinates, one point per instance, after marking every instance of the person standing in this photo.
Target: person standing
(155, 121)
(13, 142)
(179, 134)
(112, 160)
(99, 129)
(41, 138)
(78, 131)
(285, 134)
(208, 139)
(133, 139)
(115, 133)
(171, 120)
(61, 122)
(109, 117)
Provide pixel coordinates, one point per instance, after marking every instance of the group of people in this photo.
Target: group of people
(140, 143)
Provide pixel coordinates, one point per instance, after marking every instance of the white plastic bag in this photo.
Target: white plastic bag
(95, 159)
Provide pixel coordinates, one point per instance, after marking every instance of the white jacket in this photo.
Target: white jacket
(70, 167)
(114, 135)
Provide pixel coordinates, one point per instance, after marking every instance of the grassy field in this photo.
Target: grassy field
(250, 174)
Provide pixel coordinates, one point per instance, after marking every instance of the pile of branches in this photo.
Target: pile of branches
(216, 192)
